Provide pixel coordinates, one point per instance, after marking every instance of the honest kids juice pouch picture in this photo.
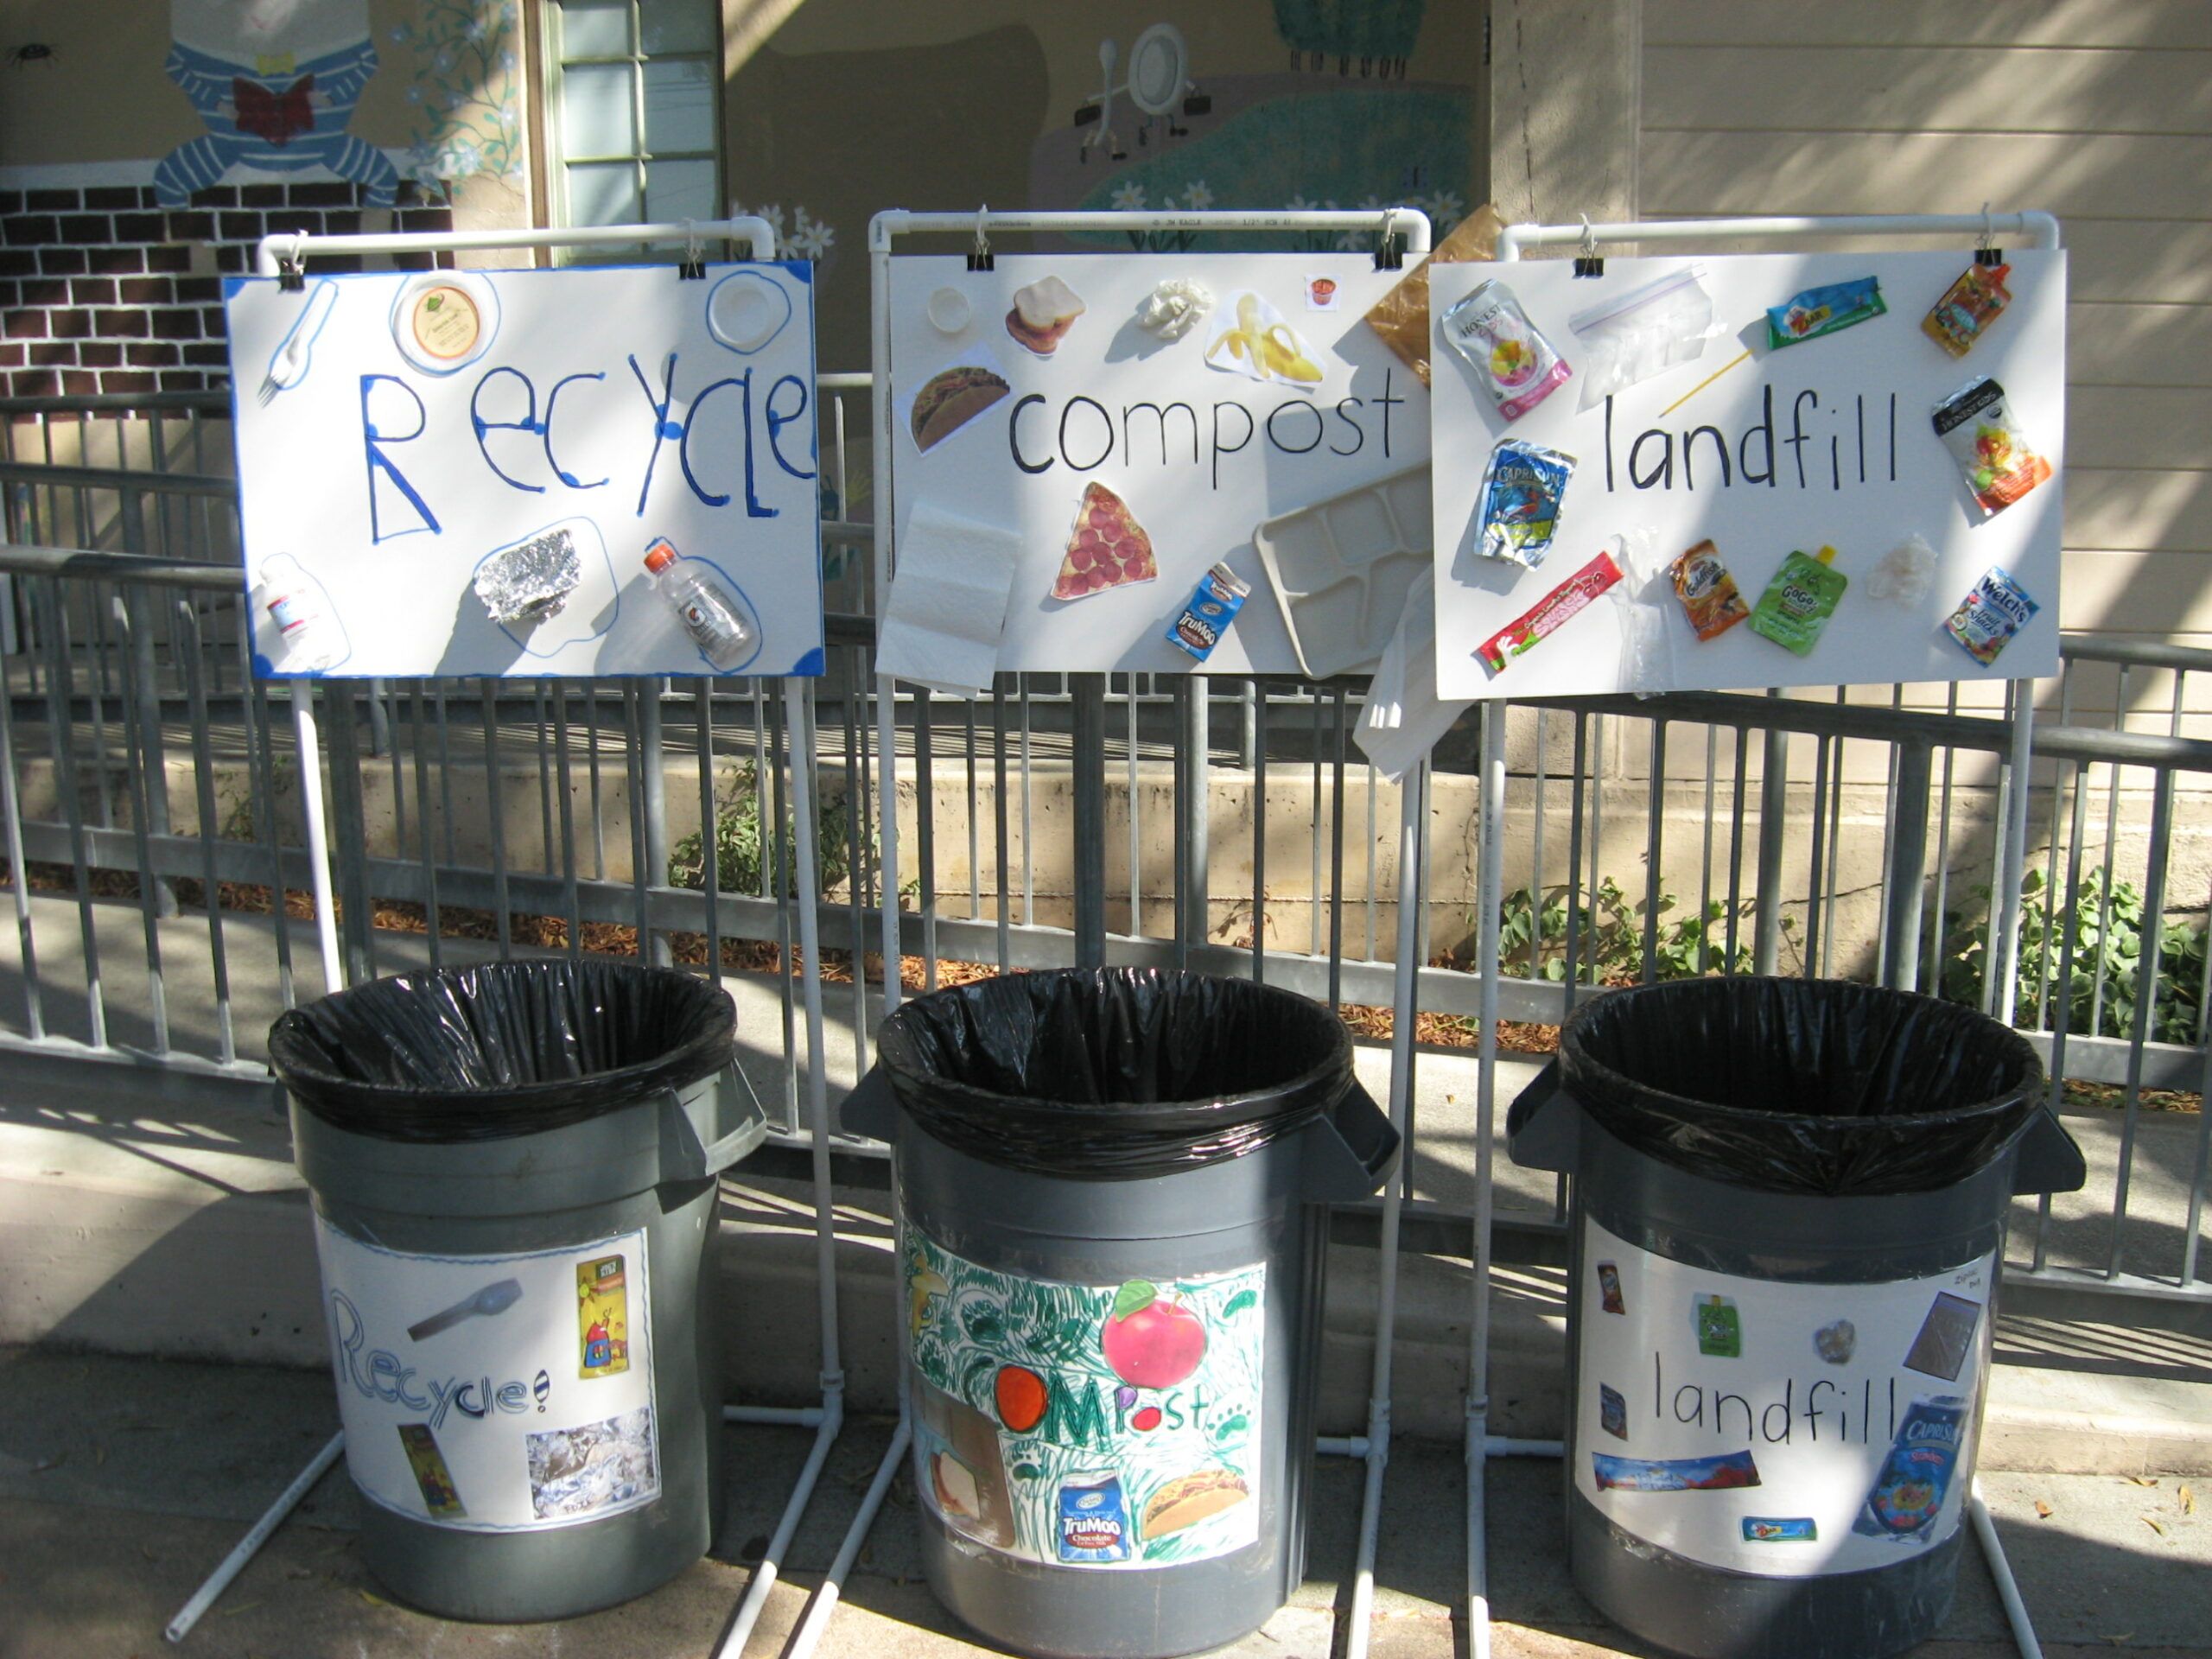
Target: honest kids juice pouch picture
(1515, 364)
(602, 1316)
(1798, 602)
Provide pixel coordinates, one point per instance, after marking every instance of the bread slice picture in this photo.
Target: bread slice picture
(1188, 1499)
(1043, 313)
(949, 400)
(1107, 548)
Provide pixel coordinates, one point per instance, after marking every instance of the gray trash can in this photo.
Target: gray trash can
(513, 1173)
(1115, 1189)
(1788, 1227)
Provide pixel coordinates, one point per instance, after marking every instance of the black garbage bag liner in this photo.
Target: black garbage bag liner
(505, 1048)
(1795, 1085)
(1114, 1073)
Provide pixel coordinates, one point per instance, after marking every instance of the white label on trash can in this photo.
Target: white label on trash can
(1091, 1426)
(1787, 1430)
(495, 1393)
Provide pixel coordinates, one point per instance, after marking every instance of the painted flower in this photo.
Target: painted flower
(414, 94)
(1197, 194)
(474, 29)
(773, 213)
(1444, 209)
(400, 33)
(507, 63)
(1128, 198)
(812, 241)
(1299, 204)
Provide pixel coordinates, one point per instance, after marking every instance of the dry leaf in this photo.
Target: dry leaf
(374, 1601)
(2143, 1480)
(2187, 1501)
(100, 1456)
(54, 1462)
(2123, 1636)
(2151, 1522)
(2042, 1510)
(236, 1608)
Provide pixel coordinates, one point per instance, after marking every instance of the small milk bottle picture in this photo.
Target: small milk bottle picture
(719, 622)
(306, 638)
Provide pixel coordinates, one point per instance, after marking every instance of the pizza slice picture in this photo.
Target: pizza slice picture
(1107, 549)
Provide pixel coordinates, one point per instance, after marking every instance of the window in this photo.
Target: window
(636, 108)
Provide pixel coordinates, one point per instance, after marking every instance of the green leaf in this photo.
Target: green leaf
(1238, 1303)
(1134, 1297)
(1028, 1472)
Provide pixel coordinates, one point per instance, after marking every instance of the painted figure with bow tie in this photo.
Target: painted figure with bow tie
(275, 81)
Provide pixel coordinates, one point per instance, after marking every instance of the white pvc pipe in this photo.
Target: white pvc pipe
(897, 221)
(311, 792)
(764, 1576)
(2042, 226)
(2003, 961)
(1341, 1446)
(776, 1416)
(1490, 884)
(755, 232)
(234, 1563)
(825, 1599)
(1504, 1445)
(2008, 1588)
(886, 712)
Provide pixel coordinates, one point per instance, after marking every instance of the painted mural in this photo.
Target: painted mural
(465, 101)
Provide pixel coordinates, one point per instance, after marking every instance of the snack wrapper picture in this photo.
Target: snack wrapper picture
(1093, 1425)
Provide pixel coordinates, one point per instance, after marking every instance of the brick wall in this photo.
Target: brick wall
(99, 292)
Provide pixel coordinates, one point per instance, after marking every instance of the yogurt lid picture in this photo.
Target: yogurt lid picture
(445, 320)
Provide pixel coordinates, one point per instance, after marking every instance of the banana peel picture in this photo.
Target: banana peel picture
(1250, 337)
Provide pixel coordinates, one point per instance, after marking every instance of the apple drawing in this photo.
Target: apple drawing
(1149, 1341)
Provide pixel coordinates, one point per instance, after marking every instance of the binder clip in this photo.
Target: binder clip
(1987, 253)
(1389, 247)
(693, 269)
(291, 268)
(1589, 262)
(979, 256)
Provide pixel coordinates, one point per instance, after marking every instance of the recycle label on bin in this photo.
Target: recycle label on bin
(1091, 1426)
(494, 1393)
(1787, 1430)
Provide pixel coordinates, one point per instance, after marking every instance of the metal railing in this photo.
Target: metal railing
(1856, 834)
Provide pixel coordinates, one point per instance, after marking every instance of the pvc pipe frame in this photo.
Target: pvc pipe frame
(883, 230)
(2044, 229)
(828, 1419)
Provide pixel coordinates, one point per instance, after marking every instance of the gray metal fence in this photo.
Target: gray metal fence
(154, 827)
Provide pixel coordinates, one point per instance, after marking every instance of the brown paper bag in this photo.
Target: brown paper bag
(1401, 315)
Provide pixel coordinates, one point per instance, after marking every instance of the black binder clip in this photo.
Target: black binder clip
(693, 267)
(1389, 247)
(979, 256)
(291, 269)
(1589, 262)
(1987, 254)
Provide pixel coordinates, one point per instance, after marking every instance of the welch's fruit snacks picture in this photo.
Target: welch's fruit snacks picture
(1091, 1426)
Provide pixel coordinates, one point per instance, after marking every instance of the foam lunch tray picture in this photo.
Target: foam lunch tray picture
(1341, 569)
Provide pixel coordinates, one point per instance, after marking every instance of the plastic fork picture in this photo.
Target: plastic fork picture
(288, 364)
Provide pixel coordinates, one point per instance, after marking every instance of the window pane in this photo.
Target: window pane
(597, 118)
(678, 25)
(677, 190)
(606, 194)
(595, 28)
(680, 106)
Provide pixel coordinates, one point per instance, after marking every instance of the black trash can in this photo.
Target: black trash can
(1115, 1188)
(1788, 1227)
(514, 1172)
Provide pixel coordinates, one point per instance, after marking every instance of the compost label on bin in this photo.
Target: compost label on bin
(1091, 1426)
(1784, 1429)
(495, 1393)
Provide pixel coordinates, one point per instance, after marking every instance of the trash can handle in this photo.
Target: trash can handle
(734, 1123)
(1537, 1138)
(2047, 1161)
(871, 1108)
(1350, 1153)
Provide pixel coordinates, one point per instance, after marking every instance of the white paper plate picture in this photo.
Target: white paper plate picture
(443, 321)
(746, 311)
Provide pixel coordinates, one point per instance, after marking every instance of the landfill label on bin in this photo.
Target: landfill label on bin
(1087, 1426)
(1810, 1417)
(506, 1393)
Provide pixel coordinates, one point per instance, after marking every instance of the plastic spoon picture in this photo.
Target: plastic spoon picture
(288, 364)
(492, 1298)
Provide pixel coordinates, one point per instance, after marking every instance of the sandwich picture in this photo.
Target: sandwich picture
(1042, 313)
(1188, 1499)
(948, 401)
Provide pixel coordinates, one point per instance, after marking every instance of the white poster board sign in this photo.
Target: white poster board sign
(464, 473)
(1090, 471)
(1827, 441)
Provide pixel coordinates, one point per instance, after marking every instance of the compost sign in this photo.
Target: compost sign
(590, 471)
(1747, 471)
(1077, 440)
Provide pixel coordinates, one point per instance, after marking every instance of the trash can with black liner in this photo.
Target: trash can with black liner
(1787, 1231)
(513, 1170)
(1115, 1188)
